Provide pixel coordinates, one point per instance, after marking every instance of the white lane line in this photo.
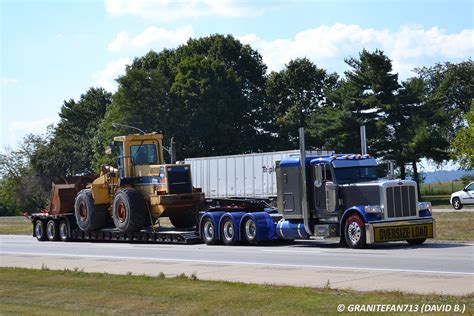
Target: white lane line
(217, 262)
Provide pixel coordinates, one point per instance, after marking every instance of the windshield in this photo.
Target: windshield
(355, 174)
(143, 154)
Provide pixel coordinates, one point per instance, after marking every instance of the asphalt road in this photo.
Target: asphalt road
(430, 268)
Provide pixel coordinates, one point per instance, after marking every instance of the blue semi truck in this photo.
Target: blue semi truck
(322, 195)
(325, 196)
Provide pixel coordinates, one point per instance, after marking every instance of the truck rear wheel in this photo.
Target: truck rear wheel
(228, 233)
(249, 230)
(209, 231)
(88, 215)
(63, 230)
(129, 210)
(354, 231)
(52, 230)
(40, 231)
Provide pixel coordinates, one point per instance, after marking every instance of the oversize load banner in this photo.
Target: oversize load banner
(403, 232)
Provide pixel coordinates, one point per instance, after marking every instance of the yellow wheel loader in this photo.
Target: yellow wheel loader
(140, 190)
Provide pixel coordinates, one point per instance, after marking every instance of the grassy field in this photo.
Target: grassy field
(31, 292)
(441, 188)
(450, 226)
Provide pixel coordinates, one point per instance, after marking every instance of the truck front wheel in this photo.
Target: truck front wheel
(354, 231)
(129, 210)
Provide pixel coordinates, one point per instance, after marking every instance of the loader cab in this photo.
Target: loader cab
(138, 155)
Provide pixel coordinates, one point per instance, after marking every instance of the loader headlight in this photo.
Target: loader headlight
(373, 209)
(424, 206)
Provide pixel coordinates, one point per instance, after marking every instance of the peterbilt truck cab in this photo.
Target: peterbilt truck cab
(344, 197)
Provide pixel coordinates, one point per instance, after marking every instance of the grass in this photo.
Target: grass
(15, 225)
(441, 188)
(25, 291)
(454, 225)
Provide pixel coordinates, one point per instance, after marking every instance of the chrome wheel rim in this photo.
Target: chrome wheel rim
(250, 229)
(208, 230)
(354, 232)
(50, 230)
(38, 229)
(228, 230)
(63, 231)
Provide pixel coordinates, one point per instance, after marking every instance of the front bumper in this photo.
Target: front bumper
(183, 199)
(400, 230)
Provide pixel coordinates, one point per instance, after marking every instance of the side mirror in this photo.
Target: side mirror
(108, 150)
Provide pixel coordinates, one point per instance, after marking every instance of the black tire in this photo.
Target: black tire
(414, 242)
(228, 232)
(63, 230)
(52, 230)
(129, 210)
(40, 230)
(88, 215)
(187, 219)
(208, 231)
(354, 232)
(457, 205)
(249, 231)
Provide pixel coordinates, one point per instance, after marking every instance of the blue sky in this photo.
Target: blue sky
(53, 50)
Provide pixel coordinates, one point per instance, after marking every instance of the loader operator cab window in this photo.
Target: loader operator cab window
(144, 154)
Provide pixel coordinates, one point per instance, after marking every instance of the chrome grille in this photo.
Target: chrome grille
(401, 201)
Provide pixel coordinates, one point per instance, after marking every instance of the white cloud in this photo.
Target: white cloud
(8, 81)
(408, 47)
(168, 10)
(106, 77)
(19, 129)
(151, 36)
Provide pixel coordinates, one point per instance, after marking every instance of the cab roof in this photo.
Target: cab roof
(145, 137)
(338, 160)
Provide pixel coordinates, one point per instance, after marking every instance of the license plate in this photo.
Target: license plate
(404, 232)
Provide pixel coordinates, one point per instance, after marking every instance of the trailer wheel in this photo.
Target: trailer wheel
(209, 231)
(40, 231)
(249, 230)
(414, 242)
(88, 215)
(52, 230)
(129, 210)
(63, 230)
(228, 232)
(354, 232)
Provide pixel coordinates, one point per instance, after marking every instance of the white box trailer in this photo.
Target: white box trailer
(246, 175)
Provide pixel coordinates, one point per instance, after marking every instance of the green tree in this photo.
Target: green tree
(294, 95)
(463, 142)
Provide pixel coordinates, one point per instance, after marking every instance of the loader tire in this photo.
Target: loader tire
(129, 210)
(187, 219)
(88, 215)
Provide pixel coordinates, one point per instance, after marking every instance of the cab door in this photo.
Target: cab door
(321, 175)
(468, 196)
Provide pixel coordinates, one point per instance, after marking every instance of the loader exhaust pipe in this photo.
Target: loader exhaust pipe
(304, 202)
(173, 150)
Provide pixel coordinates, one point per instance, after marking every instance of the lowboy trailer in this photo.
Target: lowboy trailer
(322, 195)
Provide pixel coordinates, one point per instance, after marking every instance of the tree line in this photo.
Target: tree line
(213, 94)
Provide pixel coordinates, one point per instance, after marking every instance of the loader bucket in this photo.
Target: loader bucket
(64, 191)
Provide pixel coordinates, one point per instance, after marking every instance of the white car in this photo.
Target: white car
(463, 197)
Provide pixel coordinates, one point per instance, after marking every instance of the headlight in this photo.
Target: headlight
(424, 206)
(373, 209)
